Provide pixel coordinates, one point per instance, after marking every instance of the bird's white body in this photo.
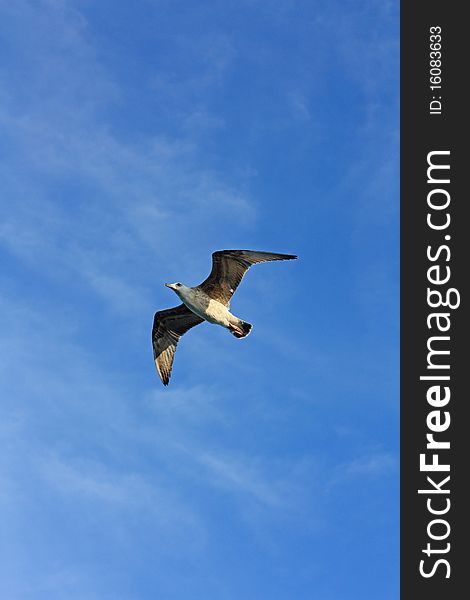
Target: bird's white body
(206, 307)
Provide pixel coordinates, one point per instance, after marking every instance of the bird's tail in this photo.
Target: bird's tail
(241, 329)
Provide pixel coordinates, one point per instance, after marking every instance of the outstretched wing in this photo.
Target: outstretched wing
(228, 269)
(168, 326)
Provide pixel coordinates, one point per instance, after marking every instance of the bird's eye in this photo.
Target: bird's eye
(178, 285)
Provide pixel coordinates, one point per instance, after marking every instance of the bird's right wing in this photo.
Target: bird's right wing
(168, 326)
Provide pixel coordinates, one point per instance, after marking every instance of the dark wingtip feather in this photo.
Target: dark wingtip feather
(286, 256)
(165, 378)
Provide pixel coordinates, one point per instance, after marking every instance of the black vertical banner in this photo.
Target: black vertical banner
(435, 252)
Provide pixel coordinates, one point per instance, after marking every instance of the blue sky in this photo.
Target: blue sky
(137, 138)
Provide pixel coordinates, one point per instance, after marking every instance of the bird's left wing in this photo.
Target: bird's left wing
(168, 326)
(228, 269)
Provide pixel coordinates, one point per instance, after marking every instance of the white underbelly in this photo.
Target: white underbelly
(212, 311)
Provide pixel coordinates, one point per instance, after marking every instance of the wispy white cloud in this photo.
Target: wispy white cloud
(92, 204)
(241, 476)
(373, 465)
(131, 492)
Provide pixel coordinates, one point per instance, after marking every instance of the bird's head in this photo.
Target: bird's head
(176, 287)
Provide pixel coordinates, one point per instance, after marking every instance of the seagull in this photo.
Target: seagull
(209, 301)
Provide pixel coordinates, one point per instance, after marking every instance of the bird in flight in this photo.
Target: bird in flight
(209, 301)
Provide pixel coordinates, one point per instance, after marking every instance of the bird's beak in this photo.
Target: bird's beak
(169, 285)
